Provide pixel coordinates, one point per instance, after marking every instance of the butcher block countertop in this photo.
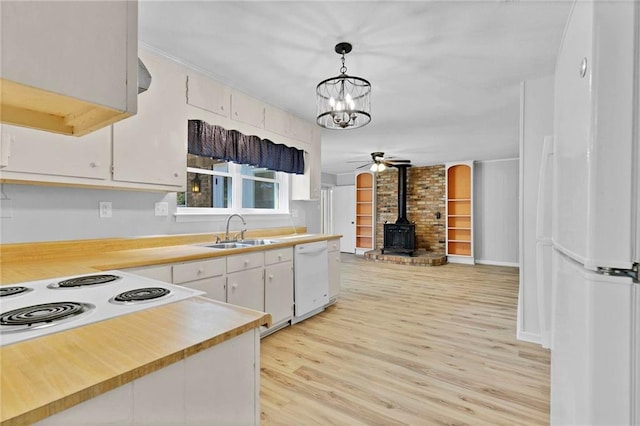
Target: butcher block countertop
(45, 375)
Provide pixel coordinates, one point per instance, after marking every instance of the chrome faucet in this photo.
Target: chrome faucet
(226, 234)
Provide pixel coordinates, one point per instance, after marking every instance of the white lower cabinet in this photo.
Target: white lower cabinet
(334, 270)
(160, 273)
(159, 398)
(218, 386)
(278, 292)
(204, 275)
(246, 289)
(278, 287)
(110, 408)
(236, 363)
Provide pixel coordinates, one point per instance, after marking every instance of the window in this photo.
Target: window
(215, 186)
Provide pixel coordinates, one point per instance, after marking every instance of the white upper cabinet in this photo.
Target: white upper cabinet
(308, 186)
(285, 124)
(34, 155)
(68, 67)
(247, 110)
(202, 92)
(151, 148)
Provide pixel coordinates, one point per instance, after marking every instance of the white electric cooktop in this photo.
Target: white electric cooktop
(37, 308)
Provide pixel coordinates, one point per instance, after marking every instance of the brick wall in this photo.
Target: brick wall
(425, 198)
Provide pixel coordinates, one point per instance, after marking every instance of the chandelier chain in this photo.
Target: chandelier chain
(343, 68)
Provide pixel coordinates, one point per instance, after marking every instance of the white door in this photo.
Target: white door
(344, 216)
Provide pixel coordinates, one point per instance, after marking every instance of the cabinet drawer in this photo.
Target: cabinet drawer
(333, 245)
(240, 262)
(278, 255)
(191, 271)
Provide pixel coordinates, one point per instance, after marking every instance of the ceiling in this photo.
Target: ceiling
(445, 75)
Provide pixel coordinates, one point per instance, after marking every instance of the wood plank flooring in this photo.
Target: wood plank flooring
(407, 345)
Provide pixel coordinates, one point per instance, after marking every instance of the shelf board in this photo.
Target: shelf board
(459, 215)
(365, 188)
(455, 227)
(459, 241)
(459, 199)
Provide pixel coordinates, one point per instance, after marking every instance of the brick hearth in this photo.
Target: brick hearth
(420, 258)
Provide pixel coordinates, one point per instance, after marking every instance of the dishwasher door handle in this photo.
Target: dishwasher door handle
(303, 251)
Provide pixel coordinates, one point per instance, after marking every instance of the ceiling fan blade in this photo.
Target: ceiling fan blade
(356, 161)
(363, 166)
(397, 161)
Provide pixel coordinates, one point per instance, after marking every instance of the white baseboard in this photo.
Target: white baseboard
(529, 337)
(467, 260)
(497, 263)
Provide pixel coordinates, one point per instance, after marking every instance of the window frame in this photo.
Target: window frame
(282, 179)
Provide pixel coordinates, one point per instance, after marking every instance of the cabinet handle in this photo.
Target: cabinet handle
(200, 271)
(176, 174)
(234, 286)
(279, 256)
(246, 262)
(94, 164)
(270, 277)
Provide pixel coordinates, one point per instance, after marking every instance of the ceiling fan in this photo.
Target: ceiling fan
(379, 162)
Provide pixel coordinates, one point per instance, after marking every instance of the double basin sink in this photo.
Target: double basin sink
(239, 244)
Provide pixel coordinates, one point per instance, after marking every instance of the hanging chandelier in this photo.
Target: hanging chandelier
(344, 102)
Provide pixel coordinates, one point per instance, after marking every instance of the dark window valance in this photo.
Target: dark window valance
(207, 140)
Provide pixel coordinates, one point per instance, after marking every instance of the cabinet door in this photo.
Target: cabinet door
(334, 274)
(215, 287)
(75, 63)
(247, 110)
(278, 291)
(277, 121)
(246, 288)
(151, 147)
(35, 152)
(202, 92)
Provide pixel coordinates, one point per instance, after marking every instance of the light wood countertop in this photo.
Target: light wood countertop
(42, 376)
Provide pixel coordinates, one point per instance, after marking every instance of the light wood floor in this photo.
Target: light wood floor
(408, 345)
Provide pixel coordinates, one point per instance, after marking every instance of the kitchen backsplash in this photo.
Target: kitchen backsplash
(43, 213)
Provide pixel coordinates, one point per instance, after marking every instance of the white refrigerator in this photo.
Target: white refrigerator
(595, 302)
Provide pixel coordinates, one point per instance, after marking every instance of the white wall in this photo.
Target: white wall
(536, 122)
(49, 213)
(495, 204)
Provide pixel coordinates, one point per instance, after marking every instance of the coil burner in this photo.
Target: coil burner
(13, 291)
(141, 295)
(87, 280)
(42, 315)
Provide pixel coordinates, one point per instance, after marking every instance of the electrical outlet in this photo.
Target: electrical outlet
(162, 209)
(105, 209)
(294, 212)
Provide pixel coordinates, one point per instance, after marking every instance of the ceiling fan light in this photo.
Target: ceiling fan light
(381, 167)
(343, 102)
(374, 167)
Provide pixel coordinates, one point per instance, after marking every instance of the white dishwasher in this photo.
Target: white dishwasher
(311, 280)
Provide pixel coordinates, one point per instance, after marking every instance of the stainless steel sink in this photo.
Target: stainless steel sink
(239, 244)
(226, 245)
(258, 242)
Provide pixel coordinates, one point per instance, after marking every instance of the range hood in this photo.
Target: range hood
(37, 108)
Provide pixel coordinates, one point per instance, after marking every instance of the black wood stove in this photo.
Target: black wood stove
(400, 237)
